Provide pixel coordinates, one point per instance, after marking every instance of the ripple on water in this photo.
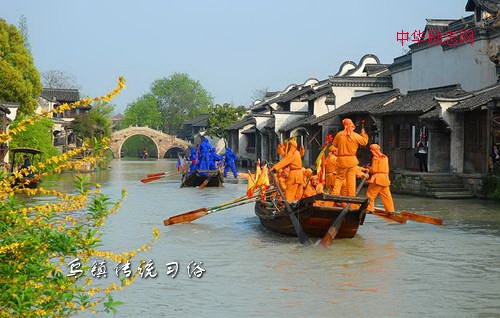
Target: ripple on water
(387, 270)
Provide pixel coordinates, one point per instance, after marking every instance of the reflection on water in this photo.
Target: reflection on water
(387, 270)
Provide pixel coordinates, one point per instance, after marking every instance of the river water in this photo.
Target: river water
(387, 270)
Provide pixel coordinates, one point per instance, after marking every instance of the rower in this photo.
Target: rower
(379, 181)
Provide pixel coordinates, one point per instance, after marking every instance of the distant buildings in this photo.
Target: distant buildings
(444, 91)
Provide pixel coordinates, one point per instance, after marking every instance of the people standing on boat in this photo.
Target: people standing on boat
(330, 168)
(204, 156)
(293, 160)
(379, 181)
(230, 162)
(193, 158)
(214, 159)
(347, 142)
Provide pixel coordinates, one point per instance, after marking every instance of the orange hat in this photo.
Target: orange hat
(375, 149)
(293, 143)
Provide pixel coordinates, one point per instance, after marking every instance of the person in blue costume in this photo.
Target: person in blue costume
(214, 156)
(193, 158)
(230, 162)
(204, 156)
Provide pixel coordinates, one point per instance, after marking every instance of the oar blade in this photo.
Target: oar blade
(334, 228)
(186, 217)
(156, 174)
(146, 180)
(422, 218)
(204, 184)
(389, 217)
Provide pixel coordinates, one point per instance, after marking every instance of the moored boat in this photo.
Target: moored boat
(315, 214)
(212, 178)
(32, 180)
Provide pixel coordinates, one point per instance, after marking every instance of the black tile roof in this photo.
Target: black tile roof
(434, 114)
(492, 6)
(61, 95)
(361, 104)
(199, 121)
(477, 99)
(242, 123)
(4, 109)
(319, 93)
(418, 102)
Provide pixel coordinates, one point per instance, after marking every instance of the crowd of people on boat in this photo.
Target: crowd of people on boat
(337, 169)
(204, 158)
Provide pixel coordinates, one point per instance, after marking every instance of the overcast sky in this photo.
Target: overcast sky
(232, 47)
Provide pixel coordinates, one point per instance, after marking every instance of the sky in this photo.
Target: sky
(232, 47)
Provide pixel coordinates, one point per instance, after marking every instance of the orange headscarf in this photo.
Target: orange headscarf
(348, 126)
(375, 149)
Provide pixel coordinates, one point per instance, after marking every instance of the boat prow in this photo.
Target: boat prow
(315, 214)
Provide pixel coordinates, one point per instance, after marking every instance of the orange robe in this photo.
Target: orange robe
(330, 170)
(295, 178)
(347, 145)
(379, 184)
(310, 190)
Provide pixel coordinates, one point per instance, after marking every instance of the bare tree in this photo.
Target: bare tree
(23, 28)
(259, 94)
(59, 79)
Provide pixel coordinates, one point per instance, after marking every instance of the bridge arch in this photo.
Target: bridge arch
(162, 141)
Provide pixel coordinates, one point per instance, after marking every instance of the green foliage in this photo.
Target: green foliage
(19, 78)
(143, 112)
(31, 283)
(95, 123)
(179, 98)
(38, 136)
(222, 116)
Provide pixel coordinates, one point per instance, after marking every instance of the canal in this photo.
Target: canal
(387, 270)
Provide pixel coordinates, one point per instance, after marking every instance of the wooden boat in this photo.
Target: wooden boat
(214, 177)
(31, 181)
(315, 214)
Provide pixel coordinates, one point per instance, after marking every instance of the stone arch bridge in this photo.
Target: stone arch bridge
(162, 141)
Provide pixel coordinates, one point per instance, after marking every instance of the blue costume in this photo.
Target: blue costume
(230, 163)
(214, 156)
(204, 155)
(193, 158)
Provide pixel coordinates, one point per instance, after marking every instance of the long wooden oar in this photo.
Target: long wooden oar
(295, 222)
(421, 218)
(198, 213)
(389, 217)
(335, 227)
(163, 173)
(150, 179)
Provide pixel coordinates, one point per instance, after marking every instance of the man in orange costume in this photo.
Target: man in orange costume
(347, 142)
(379, 181)
(295, 178)
(330, 165)
(313, 187)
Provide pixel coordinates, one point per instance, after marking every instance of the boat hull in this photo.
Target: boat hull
(315, 214)
(215, 179)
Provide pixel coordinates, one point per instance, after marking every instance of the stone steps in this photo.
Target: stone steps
(446, 187)
(453, 195)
